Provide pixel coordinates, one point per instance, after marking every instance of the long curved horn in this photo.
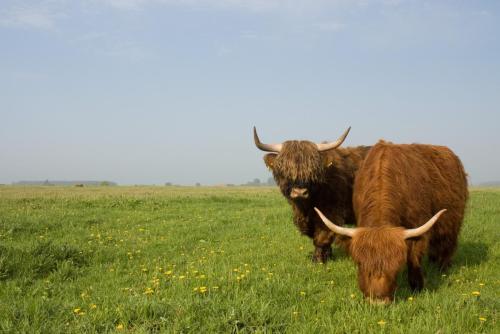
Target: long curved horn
(265, 147)
(348, 232)
(416, 232)
(334, 144)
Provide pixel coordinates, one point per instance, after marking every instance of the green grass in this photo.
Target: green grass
(135, 259)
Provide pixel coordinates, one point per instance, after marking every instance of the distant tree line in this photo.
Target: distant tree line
(254, 183)
(65, 183)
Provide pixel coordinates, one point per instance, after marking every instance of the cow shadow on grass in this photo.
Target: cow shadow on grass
(469, 254)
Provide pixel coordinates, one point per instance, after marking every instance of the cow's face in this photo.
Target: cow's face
(299, 169)
(380, 254)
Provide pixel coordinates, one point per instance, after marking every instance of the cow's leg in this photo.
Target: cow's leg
(415, 276)
(441, 251)
(322, 241)
(443, 242)
(414, 262)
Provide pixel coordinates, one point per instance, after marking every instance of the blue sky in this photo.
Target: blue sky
(154, 91)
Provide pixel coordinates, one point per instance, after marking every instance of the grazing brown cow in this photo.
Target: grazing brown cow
(321, 175)
(398, 188)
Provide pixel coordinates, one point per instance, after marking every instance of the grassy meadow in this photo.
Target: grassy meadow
(215, 260)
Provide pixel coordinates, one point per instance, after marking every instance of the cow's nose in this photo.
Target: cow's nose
(299, 193)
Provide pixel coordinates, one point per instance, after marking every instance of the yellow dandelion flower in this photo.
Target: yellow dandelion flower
(302, 293)
(182, 277)
(381, 322)
(93, 306)
(148, 291)
(482, 319)
(119, 327)
(481, 284)
(410, 299)
(77, 310)
(476, 293)
(353, 295)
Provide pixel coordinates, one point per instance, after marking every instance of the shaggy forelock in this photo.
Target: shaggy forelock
(300, 161)
(379, 249)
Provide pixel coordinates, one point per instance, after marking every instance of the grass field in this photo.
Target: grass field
(215, 260)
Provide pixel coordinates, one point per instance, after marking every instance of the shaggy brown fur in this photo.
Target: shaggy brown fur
(400, 187)
(300, 161)
(329, 178)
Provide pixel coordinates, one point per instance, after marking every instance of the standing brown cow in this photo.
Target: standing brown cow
(321, 175)
(397, 189)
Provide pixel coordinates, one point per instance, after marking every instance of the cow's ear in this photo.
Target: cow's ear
(328, 160)
(269, 160)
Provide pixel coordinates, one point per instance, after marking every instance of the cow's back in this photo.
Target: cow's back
(405, 185)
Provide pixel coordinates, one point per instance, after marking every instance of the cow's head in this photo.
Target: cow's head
(298, 166)
(380, 254)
